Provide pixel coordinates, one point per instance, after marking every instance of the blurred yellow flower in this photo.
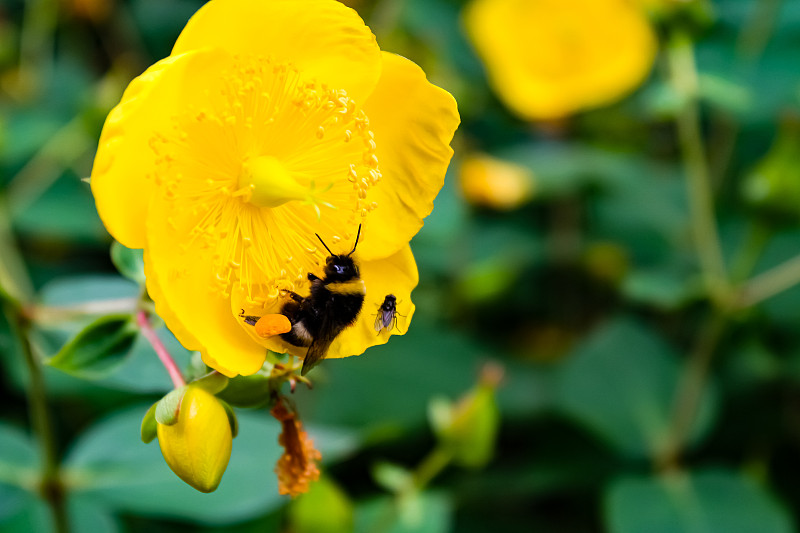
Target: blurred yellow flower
(490, 182)
(271, 121)
(198, 446)
(547, 59)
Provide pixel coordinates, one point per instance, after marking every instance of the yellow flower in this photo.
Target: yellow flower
(198, 446)
(491, 182)
(547, 59)
(271, 121)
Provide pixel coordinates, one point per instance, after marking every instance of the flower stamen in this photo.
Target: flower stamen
(261, 161)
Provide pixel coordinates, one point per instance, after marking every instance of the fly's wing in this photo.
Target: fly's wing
(322, 341)
(379, 321)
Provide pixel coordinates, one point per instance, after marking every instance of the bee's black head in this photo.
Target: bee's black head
(340, 268)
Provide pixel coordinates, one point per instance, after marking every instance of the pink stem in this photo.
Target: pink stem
(161, 350)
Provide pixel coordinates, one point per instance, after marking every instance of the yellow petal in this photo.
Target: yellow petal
(550, 58)
(181, 281)
(414, 122)
(198, 446)
(323, 38)
(124, 167)
(395, 275)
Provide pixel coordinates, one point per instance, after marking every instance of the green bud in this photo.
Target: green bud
(773, 186)
(468, 429)
(325, 508)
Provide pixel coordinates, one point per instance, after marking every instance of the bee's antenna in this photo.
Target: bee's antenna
(323, 243)
(356, 244)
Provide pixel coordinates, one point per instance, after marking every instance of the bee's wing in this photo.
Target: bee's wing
(316, 353)
(320, 344)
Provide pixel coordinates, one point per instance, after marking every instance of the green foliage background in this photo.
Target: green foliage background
(590, 296)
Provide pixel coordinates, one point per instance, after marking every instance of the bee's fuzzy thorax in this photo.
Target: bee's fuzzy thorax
(354, 286)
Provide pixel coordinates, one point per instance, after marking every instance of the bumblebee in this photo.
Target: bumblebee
(334, 304)
(387, 314)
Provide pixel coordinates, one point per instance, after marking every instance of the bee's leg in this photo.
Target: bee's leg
(312, 277)
(294, 296)
(291, 310)
(249, 319)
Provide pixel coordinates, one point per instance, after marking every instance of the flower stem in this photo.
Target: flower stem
(431, 466)
(51, 487)
(14, 279)
(690, 391)
(16, 290)
(160, 349)
(770, 283)
(692, 384)
(36, 44)
(683, 77)
(53, 314)
(749, 253)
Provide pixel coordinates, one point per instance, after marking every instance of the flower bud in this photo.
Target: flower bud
(468, 428)
(773, 186)
(197, 446)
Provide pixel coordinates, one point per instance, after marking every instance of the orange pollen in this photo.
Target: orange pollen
(297, 467)
(273, 324)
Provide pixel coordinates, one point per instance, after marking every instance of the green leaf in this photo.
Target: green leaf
(486, 280)
(213, 382)
(324, 509)
(19, 470)
(110, 464)
(667, 288)
(98, 348)
(129, 263)
(620, 383)
(64, 212)
(392, 477)
(18, 457)
(74, 290)
(141, 371)
(700, 502)
(426, 512)
(248, 391)
(83, 515)
(725, 94)
(168, 407)
(150, 425)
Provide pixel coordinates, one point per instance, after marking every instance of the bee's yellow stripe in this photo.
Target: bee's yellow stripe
(354, 286)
